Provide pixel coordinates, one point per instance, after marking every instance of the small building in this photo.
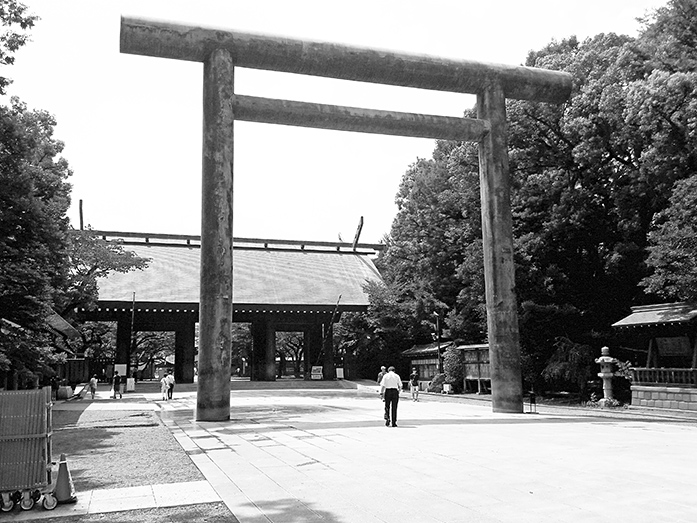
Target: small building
(477, 372)
(425, 359)
(668, 334)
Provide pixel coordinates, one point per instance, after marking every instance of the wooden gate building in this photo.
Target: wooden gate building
(279, 286)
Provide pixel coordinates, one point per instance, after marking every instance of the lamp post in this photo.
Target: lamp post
(440, 359)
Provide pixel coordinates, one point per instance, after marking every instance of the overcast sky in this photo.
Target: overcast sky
(132, 125)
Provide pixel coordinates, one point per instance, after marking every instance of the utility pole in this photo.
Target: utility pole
(129, 369)
(440, 358)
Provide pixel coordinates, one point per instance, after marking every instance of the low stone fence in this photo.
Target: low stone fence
(665, 397)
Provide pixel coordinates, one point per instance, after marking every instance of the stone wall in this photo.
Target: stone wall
(665, 397)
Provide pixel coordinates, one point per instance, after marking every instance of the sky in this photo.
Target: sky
(132, 125)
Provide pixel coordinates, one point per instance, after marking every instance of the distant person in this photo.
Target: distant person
(117, 383)
(55, 385)
(390, 386)
(164, 387)
(414, 384)
(93, 385)
(382, 372)
(170, 383)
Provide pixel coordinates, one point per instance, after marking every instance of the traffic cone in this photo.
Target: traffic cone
(65, 490)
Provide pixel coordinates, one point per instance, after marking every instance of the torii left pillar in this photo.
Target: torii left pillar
(213, 398)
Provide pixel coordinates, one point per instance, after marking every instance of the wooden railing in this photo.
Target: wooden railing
(665, 376)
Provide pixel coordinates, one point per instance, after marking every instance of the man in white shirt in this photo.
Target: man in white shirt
(390, 386)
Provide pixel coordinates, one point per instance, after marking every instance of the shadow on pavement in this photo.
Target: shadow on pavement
(292, 511)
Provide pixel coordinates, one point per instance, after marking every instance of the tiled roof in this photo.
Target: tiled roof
(60, 325)
(262, 275)
(427, 349)
(660, 314)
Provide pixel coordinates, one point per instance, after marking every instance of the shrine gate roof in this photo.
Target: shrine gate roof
(266, 273)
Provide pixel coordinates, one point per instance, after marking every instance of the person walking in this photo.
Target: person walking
(93, 385)
(382, 372)
(55, 385)
(170, 382)
(414, 384)
(116, 383)
(164, 387)
(390, 387)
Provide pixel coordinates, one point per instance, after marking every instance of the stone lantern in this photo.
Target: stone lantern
(606, 362)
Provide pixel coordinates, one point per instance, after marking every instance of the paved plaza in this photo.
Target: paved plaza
(325, 455)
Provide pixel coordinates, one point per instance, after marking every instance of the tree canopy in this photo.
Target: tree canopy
(45, 266)
(673, 246)
(16, 22)
(33, 225)
(602, 200)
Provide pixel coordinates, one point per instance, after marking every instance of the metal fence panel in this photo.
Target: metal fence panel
(25, 439)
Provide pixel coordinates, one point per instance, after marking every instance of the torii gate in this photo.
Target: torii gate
(221, 51)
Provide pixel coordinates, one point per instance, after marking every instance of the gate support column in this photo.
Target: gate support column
(313, 344)
(328, 369)
(499, 277)
(256, 358)
(184, 352)
(215, 322)
(263, 357)
(123, 340)
(270, 352)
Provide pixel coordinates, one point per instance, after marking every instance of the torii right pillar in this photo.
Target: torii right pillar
(497, 236)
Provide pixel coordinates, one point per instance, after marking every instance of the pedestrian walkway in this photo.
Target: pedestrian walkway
(104, 501)
(327, 456)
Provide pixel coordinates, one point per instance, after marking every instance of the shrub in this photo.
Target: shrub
(436, 384)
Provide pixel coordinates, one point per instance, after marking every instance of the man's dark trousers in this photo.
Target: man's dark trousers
(391, 400)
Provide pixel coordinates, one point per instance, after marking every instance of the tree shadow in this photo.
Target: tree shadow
(68, 414)
(284, 419)
(116, 448)
(292, 510)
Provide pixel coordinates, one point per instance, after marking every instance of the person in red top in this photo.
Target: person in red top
(390, 386)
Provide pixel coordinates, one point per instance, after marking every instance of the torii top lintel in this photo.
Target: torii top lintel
(274, 53)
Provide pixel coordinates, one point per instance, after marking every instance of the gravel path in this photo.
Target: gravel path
(113, 449)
